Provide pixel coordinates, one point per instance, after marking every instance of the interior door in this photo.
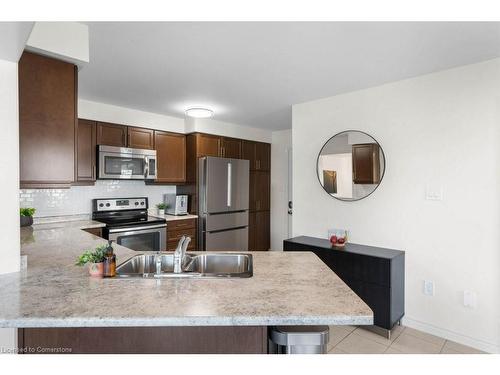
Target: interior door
(217, 185)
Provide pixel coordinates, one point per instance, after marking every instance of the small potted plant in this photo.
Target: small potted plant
(95, 259)
(161, 208)
(27, 216)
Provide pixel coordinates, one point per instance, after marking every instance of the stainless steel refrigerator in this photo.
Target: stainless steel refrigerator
(223, 203)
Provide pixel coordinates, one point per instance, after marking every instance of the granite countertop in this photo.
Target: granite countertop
(168, 217)
(287, 288)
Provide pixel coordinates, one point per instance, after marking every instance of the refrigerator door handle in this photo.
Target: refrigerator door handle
(229, 184)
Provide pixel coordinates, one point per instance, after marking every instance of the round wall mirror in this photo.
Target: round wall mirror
(350, 165)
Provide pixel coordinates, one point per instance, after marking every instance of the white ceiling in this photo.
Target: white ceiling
(251, 73)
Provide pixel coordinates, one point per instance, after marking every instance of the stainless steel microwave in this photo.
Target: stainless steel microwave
(119, 163)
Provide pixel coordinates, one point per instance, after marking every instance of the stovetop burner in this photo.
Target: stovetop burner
(121, 222)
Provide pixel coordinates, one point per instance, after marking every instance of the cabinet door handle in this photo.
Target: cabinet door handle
(93, 172)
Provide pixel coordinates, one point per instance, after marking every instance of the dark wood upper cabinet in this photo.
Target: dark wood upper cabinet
(207, 145)
(85, 152)
(47, 120)
(140, 138)
(258, 153)
(248, 153)
(171, 156)
(366, 163)
(111, 134)
(230, 148)
(263, 156)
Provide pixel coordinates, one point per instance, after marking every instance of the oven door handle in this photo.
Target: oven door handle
(137, 229)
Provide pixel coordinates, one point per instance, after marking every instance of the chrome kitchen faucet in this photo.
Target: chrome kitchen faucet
(180, 253)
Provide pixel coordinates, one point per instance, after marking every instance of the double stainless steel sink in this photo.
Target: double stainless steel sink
(204, 265)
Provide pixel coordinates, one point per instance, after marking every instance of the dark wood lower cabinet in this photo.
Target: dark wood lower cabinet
(95, 231)
(144, 340)
(178, 228)
(259, 231)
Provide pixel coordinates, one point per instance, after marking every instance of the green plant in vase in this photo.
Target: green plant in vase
(161, 207)
(26, 216)
(94, 258)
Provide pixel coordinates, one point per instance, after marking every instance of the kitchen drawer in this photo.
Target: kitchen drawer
(181, 224)
(175, 235)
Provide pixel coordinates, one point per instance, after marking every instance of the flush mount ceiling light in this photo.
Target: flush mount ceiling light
(199, 112)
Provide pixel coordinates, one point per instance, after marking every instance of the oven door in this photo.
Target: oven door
(141, 238)
(123, 163)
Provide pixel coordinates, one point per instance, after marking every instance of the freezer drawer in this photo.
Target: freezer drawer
(227, 240)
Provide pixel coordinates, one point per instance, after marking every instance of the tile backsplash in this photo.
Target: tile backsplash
(77, 200)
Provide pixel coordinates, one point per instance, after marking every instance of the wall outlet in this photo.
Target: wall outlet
(428, 288)
(470, 299)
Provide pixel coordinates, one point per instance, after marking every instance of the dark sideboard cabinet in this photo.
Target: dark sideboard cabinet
(376, 275)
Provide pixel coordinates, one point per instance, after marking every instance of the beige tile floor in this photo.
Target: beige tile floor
(404, 340)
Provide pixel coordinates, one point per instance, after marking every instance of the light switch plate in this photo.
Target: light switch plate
(428, 288)
(470, 299)
(434, 192)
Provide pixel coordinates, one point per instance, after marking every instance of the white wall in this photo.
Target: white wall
(111, 113)
(212, 126)
(9, 155)
(9, 189)
(440, 130)
(280, 147)
(77, 199)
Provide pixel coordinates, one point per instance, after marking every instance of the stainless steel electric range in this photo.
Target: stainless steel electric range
(128, 223)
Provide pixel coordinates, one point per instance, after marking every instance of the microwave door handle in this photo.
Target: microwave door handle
(146, 167)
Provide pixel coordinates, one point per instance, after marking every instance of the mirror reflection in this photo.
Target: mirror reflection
(351, 165)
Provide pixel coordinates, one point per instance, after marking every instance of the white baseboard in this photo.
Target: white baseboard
(452, 336)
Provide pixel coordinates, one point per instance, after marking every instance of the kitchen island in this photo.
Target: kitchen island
(55, 303)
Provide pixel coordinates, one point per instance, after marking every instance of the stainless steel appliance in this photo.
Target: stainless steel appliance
(128, 224)
(223, 203)
(176, 204)
(126, 163)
